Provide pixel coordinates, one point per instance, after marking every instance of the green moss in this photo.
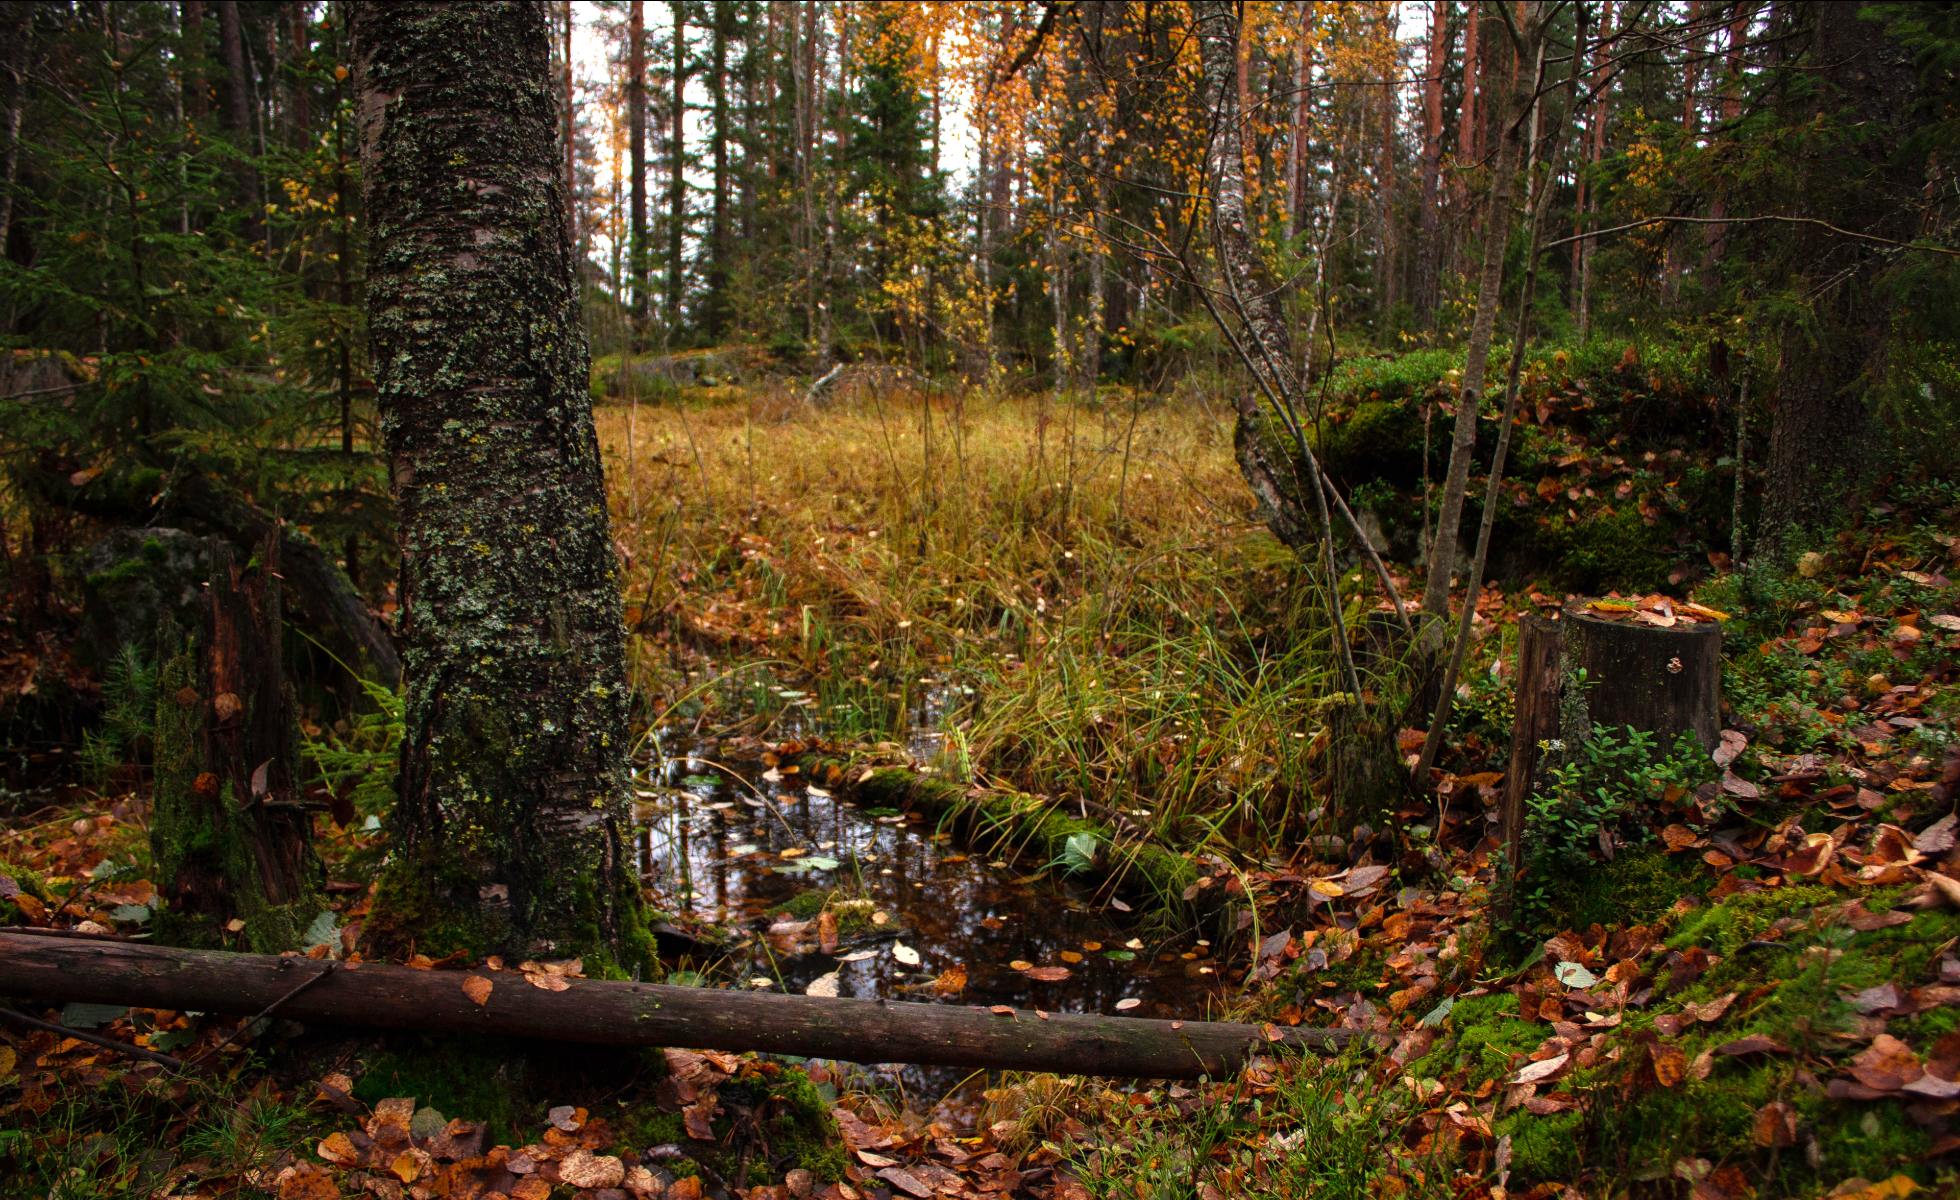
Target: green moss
(802, 1132)
(1637, 887)
(1605, 548)
(1723, 927)
(27, 881)
(1027, 826)
(1543, 1147)
(804, 905)
(1790, 983)
(473, 1078)
(1380, 439)
(1481, 1037)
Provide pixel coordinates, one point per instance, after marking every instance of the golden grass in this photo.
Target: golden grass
(1095, 574)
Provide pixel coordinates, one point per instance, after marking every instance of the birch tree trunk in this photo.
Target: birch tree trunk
(512, 829)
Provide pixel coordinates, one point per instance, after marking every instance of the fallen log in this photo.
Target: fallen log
(603, 1012)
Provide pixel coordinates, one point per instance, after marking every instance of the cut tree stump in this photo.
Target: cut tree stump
(1663, 679)
(601, 1012)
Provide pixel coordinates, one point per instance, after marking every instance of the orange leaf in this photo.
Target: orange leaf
(477, 988)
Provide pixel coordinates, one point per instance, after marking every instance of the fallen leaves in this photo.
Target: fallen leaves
(477, 988)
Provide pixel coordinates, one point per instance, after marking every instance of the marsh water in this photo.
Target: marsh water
(738, 846)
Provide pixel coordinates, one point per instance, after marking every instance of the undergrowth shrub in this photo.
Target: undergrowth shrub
(1592, 810)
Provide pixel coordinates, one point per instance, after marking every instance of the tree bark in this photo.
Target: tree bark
(677, 175)
(599, 1012)
(570, 120)
(17, 36)
(715, 306)
(640, 255)
(1715, 236)
(1819, 452)
(1427, 291)
(1388, 272)
(238, 115)
(231, 834)
(1469, 145)
(512, 830)
(1476, 355)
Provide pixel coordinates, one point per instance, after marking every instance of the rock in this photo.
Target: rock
(134, 579)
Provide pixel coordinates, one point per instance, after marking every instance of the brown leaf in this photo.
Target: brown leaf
(1948, 887)
(338, 1148)
(1047, 974)
(1733, 744)
(1776, 1125)
(827, 931)
(1875, 999)
(1680, 837)
(305, 1181)
(1670, 1065)
(477, 988)
(1753, 1044)
(584, 1169)
(905, 1181)
(1886, 1065)
(1710, 1010)
(389, 1124)
(530, 1188)
(1937, 838)
(406, 1167)
(1538, 1072)
(699, 1118)
(951, 981)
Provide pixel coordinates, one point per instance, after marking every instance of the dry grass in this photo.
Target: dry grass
(1094, 573)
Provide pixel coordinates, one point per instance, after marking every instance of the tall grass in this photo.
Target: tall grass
(1079, 594)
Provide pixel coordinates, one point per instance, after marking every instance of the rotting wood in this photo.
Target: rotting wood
(603, 1012)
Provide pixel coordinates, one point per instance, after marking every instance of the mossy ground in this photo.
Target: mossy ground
(1793, 964)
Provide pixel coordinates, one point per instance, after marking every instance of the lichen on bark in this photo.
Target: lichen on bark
(512, 830)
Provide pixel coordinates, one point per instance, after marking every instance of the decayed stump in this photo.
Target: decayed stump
(1660, 672)
(231, 832)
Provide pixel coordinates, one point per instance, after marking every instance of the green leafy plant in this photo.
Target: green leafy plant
(1596, 793)
(360, 759)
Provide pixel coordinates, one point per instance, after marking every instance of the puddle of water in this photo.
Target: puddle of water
(730, 846)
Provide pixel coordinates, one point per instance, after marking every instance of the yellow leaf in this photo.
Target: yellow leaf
(405, 1167)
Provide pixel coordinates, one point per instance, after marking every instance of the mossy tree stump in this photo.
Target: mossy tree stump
(232, 835)
(1661, 679)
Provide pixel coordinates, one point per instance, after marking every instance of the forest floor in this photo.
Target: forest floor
(1742, 978)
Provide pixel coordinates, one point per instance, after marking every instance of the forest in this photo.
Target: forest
(892, 599)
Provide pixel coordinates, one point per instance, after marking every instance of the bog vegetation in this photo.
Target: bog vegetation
(1082, 483)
